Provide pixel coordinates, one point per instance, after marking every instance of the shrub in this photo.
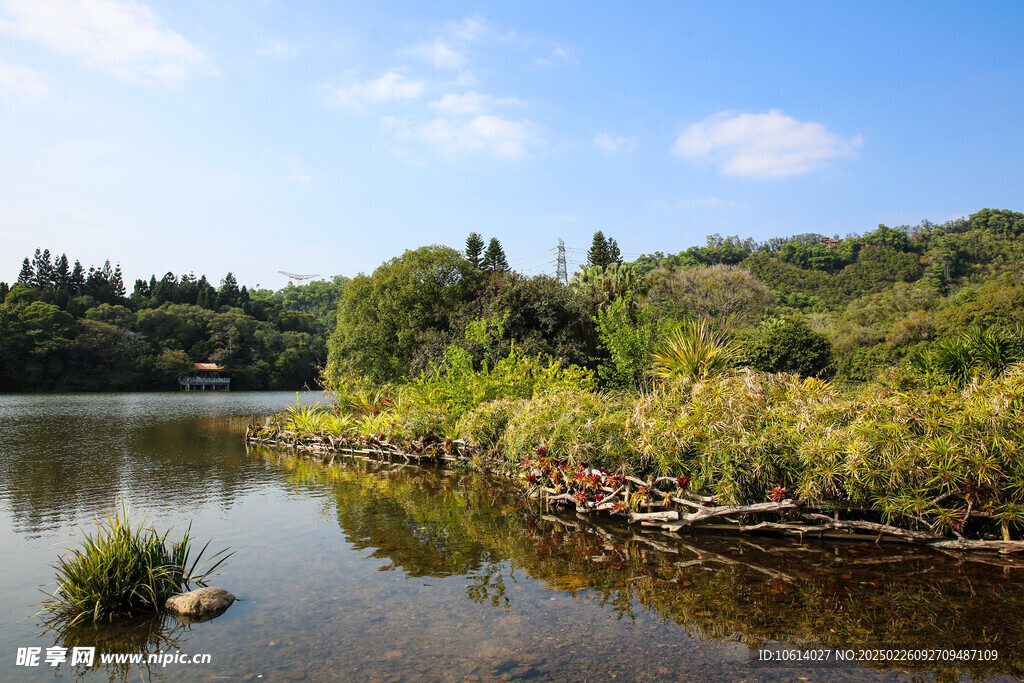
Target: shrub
(581, 425)
(627, 336)
(792, 346)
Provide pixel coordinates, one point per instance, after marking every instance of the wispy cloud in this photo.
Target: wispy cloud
(471, 29)
(472, 103)
(460, 120)
(612, 144)
(297, 170)
(558, 55)
(770, 145)
(390, 86)
(438, 53)
(19, 82)
(279, 49)
(122, 37)
(488, 134)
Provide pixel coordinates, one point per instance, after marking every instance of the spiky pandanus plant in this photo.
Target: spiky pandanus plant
(978, 351)
(691, 352)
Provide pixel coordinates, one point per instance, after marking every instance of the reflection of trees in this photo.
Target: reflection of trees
(73, 467)
(751, 589)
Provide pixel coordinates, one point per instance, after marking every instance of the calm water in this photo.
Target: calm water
(360, 571)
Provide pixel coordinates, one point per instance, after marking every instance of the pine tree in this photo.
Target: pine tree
(614, 255)
(474, 249)
(228, 293)
(62, 272)
(77, 277)
(494, 257)
(603, 251)
(117, 283)
(141, 290)
(27, 276)
(598, 254)
(44, 269)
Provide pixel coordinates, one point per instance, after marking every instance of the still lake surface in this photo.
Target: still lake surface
(360, 571)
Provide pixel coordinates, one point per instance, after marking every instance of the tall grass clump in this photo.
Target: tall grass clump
(123, 570)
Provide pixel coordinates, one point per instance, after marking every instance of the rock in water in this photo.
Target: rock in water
(203, 602)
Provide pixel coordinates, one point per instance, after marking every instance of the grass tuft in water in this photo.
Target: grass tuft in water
(121, 571)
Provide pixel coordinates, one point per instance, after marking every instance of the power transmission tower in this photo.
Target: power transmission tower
(561, 273)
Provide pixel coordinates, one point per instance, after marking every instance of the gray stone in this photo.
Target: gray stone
(203, 602)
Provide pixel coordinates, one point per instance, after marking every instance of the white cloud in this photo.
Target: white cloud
(472, 103)
(614, 144)
(558, 55)
(22, 82)
(280, 49)
(770, 145)
(122, 37)
(470, 29)
(297, 171)
(390, 86)
(484, 134)
(438, 53)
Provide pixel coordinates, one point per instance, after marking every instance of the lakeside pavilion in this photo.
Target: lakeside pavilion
(205, 377)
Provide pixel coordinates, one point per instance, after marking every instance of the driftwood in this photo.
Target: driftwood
(726, 510)
(595, 490)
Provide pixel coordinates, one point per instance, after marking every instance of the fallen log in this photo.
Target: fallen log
(724, 510)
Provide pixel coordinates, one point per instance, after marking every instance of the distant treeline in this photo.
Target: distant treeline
(66, 328)
(809, 303)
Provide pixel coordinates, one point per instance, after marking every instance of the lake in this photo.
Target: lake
(384, 572)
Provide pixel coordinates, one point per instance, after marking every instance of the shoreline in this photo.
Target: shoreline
(597, 490)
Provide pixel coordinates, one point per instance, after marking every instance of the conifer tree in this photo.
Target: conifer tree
(603, 251)
(598, 253)
(62, 272)
(27, 276)
(494, 258)
(614, 255)
(44, 269)
(117, 283)
(475, 249)
(77, 277)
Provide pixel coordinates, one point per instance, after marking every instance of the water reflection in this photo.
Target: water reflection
(752, 590)
(141, 637)
(64, 458)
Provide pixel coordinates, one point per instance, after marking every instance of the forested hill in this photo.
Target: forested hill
(882, 295)
(811, 303)
(860, 303)
(66, 328)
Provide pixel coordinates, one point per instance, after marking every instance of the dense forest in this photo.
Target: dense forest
(812, 304)
(809, 303)
(66, 328)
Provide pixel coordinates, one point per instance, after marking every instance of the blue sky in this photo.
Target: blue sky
(328, 137)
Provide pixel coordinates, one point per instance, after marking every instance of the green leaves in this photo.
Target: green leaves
(627, 337)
